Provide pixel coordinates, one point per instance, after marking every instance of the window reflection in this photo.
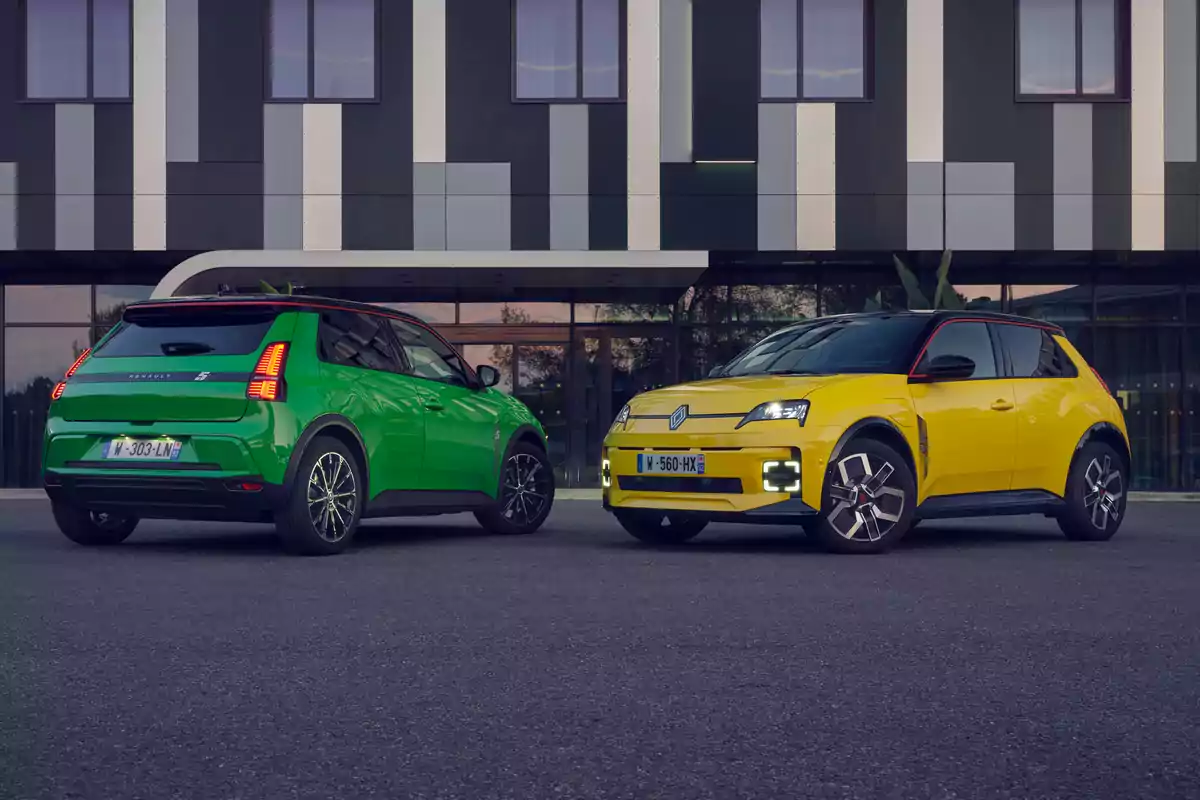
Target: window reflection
(546, 58)
(1138, 303)
(833, 49)
(601, 49)
(38, 357)
(289, 49)
(778, 48)
(47, 304)
(344, 49)
(772, 303)
(499, 356)
(513, 313)
(111, 54)
(1047, 43)
(1063, 304)
(56, 48)
(111, 301)
(433, 313)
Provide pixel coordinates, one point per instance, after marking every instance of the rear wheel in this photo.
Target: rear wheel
(1095, 498)
(93, 528)
(656, 527)
(325, 505)
(526, 493)
(868, 500)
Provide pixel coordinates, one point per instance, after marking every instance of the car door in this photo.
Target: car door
(1041, 373)
(970, 423)
(462, 421)
(385, 406)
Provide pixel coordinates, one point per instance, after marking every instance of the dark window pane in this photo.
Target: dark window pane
(47, 304)
(541, 379)
(546, 58)
(1069, 306)
(969, 339)
(1047, 44)
(499, 356)
(217, 332)
(1142, 367)
(436, 313)
(601, 49)
(1192, 389)
(777, 48)
(833, 49)
(41, 356)
(513, 313)
(111, 301)
(773, 303)
(1137, 304)
(356, 340)
(428, 357)
(869, 295)
(344, 49)
(111, 54)
(289, 49)
(833, 345)
(1099, 47)
(588, 313)
(1034, 353)
(56, 49)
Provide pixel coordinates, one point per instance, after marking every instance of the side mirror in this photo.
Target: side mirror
(946, 368)
(488, 375)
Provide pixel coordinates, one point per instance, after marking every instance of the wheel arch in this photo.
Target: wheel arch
(1109, 434)
(340, 428)
(882, 430)
(525, 433)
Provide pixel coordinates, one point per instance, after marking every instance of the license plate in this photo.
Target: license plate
(142, 450)
(664, 464)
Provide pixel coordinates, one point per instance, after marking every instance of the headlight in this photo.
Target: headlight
(622, 416)
(777, 410)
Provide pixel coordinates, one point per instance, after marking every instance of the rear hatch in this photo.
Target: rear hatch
(174, 363)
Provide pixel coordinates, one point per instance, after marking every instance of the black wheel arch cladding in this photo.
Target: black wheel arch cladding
(339, 427)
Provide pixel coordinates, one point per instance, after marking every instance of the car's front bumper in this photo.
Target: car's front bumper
(178, 495)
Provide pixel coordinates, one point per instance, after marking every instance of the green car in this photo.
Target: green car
(309, 413)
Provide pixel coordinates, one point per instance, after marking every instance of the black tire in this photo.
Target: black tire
(1096, 494)
(92, 528)
(325, 505)
(657, 527)
(525, 495)
(865, 510)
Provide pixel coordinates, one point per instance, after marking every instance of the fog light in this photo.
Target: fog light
(781, 476)
(605, 473)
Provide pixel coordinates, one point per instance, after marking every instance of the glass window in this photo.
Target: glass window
(499, 356)
(341, 62)
(549, 34)
(513, 313)
(47, 304)
(1136, 304)
(1034, 353)
(773, 303)
(1066, 305)
(881, 344)
(436, 313)
(428, 356)
(56, 49)
(1068, 47)
(356, 340)
(823, 40)
(36, 358)
(593, 313)
(112, 53)
(968, 339)
(111, 301)
(194, 332)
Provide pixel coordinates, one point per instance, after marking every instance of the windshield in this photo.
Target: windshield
(879, 344)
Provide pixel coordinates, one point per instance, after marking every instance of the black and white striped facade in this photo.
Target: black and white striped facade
(942, 151)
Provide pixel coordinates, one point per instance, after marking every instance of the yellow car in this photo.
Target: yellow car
(855, 427)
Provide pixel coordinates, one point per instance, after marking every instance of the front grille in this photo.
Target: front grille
(679, 483)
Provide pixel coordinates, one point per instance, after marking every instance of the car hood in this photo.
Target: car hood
(732, 395)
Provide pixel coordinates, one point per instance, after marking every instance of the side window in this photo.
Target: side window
(970, 339)
(568, 49)
(428, 356)
(1034, 353)
(356, 340)
(78, 50)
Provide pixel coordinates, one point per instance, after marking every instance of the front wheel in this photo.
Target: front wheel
(93, 528)
(1095, 497)
(867, 504)
(325, 505)
(526, 493)
(660, 528)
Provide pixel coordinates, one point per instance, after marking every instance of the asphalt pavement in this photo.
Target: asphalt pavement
(979, 660)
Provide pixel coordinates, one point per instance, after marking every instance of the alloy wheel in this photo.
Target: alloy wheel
(526, 493)
(866, 507)
(1104, 489)
(332, 497)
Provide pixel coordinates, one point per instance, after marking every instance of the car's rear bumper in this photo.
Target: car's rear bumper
(182, 496)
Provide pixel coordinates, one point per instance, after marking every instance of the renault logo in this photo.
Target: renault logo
(678, 417)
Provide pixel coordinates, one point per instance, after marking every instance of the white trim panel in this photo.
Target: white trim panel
(322, 176)
(1148, 125)
(926, 80)
(149, 124)
(816, 176)
(644, 125)
(429, 81)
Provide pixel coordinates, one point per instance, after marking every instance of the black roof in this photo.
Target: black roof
(296, 301)
(944, 315)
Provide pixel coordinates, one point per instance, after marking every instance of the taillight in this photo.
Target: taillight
(1102, 383)
(61, 386)
(267, 383)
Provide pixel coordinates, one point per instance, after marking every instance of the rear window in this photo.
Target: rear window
(191, 332)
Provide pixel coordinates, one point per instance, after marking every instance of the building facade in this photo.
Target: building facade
(599, 196)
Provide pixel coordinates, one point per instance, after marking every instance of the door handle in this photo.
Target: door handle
(434, 405)
(1002, 405)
